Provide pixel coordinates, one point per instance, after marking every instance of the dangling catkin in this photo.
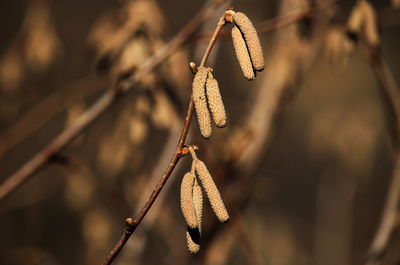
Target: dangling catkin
(252, 40)
(212, 192)
(200, 102)
(187, 205)
(242, 54)
(215, 101)
(370, 23)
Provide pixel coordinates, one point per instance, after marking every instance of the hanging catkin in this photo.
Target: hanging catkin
(200, 102)
(242, 54)
(215, 101)
(212, 191)
(252, 40)
(187, 205)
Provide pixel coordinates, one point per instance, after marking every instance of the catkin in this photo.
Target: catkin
(187, 205)
(252, 40)
(212, 192)
(200, 102)
(242, 54)
(215, 101)
(370, 23)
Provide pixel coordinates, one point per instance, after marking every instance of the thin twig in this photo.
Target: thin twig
(132, 223)
(43, 156)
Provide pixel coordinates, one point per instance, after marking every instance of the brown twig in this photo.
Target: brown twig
(132, 223)
(43, 156)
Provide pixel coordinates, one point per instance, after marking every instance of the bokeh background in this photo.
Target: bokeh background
(304, 165)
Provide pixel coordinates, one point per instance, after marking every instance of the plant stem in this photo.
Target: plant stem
(132, 223)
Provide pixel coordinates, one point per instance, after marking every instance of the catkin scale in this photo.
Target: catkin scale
(242, 54)
(187, 205)
(215, 101)
(212, 191)
(252, 40)
(200, 102)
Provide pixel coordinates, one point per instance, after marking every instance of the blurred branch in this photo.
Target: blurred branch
(132, 223)
(48, 108)
(110, 96)
(390, 212)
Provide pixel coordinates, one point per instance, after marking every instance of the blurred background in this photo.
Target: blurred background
(304, 166)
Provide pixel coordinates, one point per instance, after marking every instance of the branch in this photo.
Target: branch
(388, 220)
(132, 223)
(43, 156)
(35, 119)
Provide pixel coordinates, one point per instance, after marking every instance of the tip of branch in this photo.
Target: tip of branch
(228, 15)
